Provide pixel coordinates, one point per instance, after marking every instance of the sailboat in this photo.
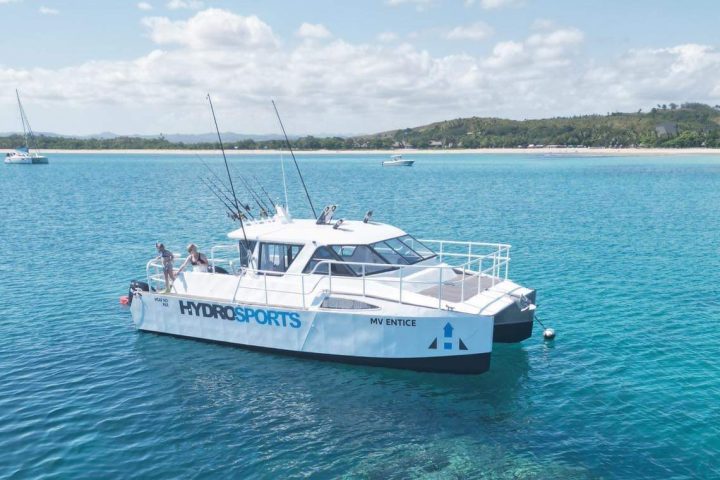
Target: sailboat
(22, 155)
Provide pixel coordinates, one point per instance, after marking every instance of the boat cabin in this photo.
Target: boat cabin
(307, 246)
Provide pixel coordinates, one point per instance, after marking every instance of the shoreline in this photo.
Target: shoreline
(560, 152)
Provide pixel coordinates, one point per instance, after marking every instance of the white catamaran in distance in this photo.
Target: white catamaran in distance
(354, 291)
(398, 161)
(22, 155)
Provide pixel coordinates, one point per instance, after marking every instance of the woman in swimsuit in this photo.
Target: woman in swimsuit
(167, 258)
(198, 260)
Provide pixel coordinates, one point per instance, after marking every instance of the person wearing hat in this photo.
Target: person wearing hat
(167, 258)
(198, 260)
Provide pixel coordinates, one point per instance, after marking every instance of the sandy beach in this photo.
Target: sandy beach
(590, 152)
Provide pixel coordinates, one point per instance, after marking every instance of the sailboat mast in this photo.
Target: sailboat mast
(23, 120)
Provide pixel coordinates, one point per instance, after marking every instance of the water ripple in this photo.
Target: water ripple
(623, 252)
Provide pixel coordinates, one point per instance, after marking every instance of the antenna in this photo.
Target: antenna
(287, 141)
(232, 187)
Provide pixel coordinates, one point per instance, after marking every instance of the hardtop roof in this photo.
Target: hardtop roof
(304, 231)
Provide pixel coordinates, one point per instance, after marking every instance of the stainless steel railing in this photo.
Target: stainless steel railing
(460, 258)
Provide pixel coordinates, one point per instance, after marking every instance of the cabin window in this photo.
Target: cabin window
(277, 257)
(361, 254)
(246, 251)
(324, 253)
(345, 304)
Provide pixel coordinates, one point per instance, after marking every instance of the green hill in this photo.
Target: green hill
(667, 126)
(688, 125)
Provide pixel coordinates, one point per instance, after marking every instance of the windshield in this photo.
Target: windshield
(417, 246)
(404, 250)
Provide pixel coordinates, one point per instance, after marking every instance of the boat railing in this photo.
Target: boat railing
(449, 251)
(154, 274)
(227, 256)
(457, 262)
(492, 267)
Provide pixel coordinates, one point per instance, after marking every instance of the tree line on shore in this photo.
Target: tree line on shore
(665, 126)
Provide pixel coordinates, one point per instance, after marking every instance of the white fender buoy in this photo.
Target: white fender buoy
(549, 334)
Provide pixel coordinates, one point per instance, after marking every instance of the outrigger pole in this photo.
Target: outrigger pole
(287, 142)
(227, 169)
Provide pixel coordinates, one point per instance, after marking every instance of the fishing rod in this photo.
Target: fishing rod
(272, 202)
(231, 213)
(227, 169)
(220, 180)
(244, 205)
(267, 209)
(287, 142)
(264, 208)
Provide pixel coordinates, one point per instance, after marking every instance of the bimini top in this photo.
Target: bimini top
(304, 231)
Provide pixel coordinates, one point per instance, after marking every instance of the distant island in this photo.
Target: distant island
(689, 125)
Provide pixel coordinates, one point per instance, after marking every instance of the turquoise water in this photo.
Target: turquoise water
(623, 252)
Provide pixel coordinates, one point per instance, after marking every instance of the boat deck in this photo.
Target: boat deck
(456, 290)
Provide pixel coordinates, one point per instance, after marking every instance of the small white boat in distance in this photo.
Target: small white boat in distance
(22, 155)
(398, 161)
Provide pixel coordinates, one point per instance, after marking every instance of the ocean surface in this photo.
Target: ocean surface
(624, 253)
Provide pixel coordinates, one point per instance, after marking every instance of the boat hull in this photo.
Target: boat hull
(401, 163)
(26, 160)
(429, 341)
(458, 364)
(515, 323)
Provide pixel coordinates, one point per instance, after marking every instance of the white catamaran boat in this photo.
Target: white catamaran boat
(398, 161)
(23, 155)
(355, 291)
(350, 291)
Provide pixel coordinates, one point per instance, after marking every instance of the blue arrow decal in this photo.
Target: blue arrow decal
(448, 330)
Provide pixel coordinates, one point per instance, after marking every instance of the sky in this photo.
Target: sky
(346, 67)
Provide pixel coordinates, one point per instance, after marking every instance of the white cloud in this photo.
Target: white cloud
(144, 6)
(185, 4)
(9, 1)
(212, 28)
(341, 86)
(48, 11)
(476, 31)
(313, 31)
